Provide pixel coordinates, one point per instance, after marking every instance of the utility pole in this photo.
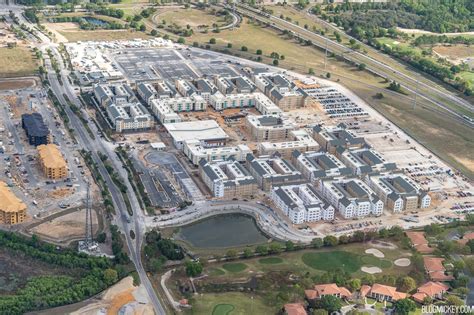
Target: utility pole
(416, 94)
(88, 240)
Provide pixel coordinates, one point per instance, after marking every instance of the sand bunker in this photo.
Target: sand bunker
(371, 270)
(402, 262)
(377, 253)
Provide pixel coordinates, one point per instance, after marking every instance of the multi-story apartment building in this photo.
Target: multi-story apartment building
(127, 117)
(52, 162)
(36, 130)
(205, 88)
(196, 152)
(166, 89)
(221, 101)
(163, 111)
(398, 192)
(271, 171)
(318, 165)
(330, 138)
(351, 197)
(227, 179)
(301, 203)
(269, 127)
(185, 87)
(264, 105)
(12, 209)
(364, 161)
(301, 141)
(147, 92)
(107, 94)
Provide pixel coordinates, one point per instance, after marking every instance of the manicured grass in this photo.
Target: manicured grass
(216, 272)
(223, 309)
(328, 261)
(234, 267)
(370, 260)
(244, 304)
(270, 260)
(17, 61)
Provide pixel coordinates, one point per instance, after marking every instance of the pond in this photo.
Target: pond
(227, 230)
(94, 21)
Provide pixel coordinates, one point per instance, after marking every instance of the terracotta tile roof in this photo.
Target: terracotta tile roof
(440, 276)
(311, 294)
(419, 297)
(433, 288)
(295, 309)
(466, 238)
(433, 264)
(420, 243)
(364, 290)
(383, 290)
(331, 289)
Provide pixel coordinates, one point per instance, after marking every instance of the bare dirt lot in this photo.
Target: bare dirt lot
(455, 53)
(16, 84)
(67, 227)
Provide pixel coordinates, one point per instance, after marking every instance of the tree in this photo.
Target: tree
(101, 237)
(248, 253)
(195, 44)
(328, 75)
(229, 45)
(193, 268)
(261, 250)
(404, 306)
(231, 254)
(454, 300)
(181, 40)
(258, 52)
(244, 48)
(406, 284)
(311, 71)
(320, 311)
(361, 66)
(110, 276)
(289, 246)
(354, 284)
(330, 241)
(155, 265)
(274, 248)
(212, 41)
(154, 32)
(329, 303)
(275, 62)
(317, 242)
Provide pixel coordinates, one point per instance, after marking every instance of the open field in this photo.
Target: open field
(102, 35)
(16, 62)
(455, 51)
(220, 304)
(196, 19)
(456, 147)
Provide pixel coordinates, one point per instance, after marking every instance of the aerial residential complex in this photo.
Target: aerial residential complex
(398, 192)
(227, 179)
(364, 161)
(35, 129)
(269, 127)
(317, 165)
(301, 203)
(332, 137)
(351, 197)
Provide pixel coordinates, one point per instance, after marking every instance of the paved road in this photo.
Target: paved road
(409, 79)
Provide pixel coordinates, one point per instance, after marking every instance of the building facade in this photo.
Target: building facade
(52, 162)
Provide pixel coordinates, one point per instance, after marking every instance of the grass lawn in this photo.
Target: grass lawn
(105, 35)
(191, 17)
(17, 62)
(234, 267)
(216, 272)
(223, 309)
(468, 76)
(369, 260)
(220, 303)
(270, 260)
(328, 261)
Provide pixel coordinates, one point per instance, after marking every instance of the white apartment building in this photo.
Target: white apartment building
(364, 161)
(166, 90)
(351, 197)
(317, 165)
(220, 101)
(205, 88)
(269, 127)
(301, 203)
(264, 105)
(129, 117)
(196, 152)
(301, 141)
(227, 179)
(398, 192)
(164, 112)
(185, 88)
(147, 92)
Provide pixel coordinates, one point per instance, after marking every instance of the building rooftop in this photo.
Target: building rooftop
(50, 156)
(8, 201)
(196, 130)
(35, 125)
